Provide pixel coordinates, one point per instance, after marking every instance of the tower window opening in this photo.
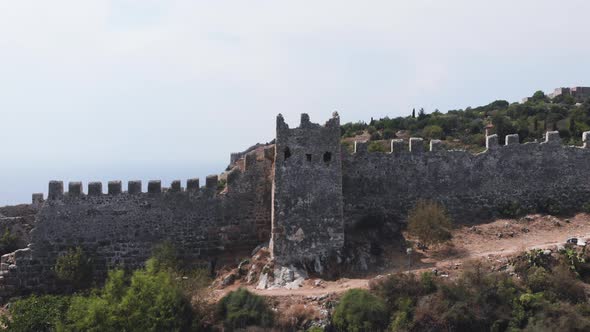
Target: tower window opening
(327, 157)
(287, 153)
(308, 156)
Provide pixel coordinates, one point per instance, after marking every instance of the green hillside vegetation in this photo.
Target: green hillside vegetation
(465, 128)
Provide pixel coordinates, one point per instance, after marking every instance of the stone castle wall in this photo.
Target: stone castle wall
(544, 176)
(306, 194)
(120, 229)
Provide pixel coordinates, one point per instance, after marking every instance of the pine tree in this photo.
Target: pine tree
(413, 113)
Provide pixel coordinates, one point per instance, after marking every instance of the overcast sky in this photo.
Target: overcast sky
(165, 89)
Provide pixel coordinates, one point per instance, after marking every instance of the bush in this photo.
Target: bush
(433, 132)
(315, 329)
(478, 301)
(359, 310)
(240, 309)
(399, 286)
(376, 147)
(511, 210)
(429, 222)
(35, 313)
(75, 268)
(550, 206)
(146, 302)
(8, 242)
(376, 136)
(388, 134)
(165, 257)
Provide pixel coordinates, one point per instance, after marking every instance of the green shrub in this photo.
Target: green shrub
(388, 134)
(359, 310)
(146, 302)
(573, 259)
(403, 317)
(376, 147)
(538, 279)
(376, 136)
(8, 242)
(240, 309)
(400, 286)
(511, 209)
(75, 268)
(165, 257)
(35, 313)
(429, 222)
(433, 132)
(221, 184)
(550, 206)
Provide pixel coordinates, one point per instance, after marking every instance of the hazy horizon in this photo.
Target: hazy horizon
(152, 89)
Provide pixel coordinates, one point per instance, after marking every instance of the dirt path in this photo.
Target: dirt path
(495, 241)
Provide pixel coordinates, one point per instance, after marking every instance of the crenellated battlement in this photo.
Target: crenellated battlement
(533, 176)
(416, 145)
(305, 123)
(115, 188)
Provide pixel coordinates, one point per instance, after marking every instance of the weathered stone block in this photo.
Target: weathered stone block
(211, 182)
(155, 187)
(75, 189)
(175, 186)
(512, 139)
(360, 147)
(436, 145)
(492, 142)
(192, 184)
(397, 145)
(56, 190)
(416, 145)
(552, 137)
(95, 189)
(134, 187)
(115, 187)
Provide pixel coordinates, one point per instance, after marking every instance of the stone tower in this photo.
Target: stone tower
(307, 217)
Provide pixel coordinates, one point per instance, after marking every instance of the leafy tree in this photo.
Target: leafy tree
(240, 309)
(149, 301)
(429, 222)
(539, 96)
(359, 310)
(75, 268)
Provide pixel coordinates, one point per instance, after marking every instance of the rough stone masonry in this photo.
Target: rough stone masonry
(305, 194)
